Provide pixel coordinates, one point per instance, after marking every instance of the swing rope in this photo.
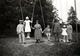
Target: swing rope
(21, 10)
(33, 11)
(42, 13)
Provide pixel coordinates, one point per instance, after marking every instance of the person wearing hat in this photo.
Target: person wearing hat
(27, 27)
(20, 31)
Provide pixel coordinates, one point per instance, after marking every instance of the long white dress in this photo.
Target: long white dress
(64, 31)
(27, 26)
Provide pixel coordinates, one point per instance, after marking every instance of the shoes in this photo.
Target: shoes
(64, 41)
(38, 41)
(67, 41)
(28, 36)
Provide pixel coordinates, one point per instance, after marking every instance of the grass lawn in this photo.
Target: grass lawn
(11, 47)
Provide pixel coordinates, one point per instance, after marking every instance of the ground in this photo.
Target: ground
(11, 47)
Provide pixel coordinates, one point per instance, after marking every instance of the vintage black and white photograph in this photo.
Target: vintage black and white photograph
(39, 27)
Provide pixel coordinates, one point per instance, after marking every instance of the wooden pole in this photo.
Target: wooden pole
(76, 22)
(42, 13)
(21, 10)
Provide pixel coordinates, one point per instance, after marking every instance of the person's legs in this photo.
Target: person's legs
(28, 35)
(25, 34)
(23, 37)
(64, 38)
(49, 36)
(67, 40)
(20, 38)
(37, 40)
(71, 36)
(55, 37)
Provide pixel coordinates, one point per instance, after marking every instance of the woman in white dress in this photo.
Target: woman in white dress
(27, 27)
(64, 34)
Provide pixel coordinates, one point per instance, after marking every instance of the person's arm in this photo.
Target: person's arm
(17, 29)
(44, 30)
(31, 21)
(24, 23)
(40, 27)
(71, 29)
(33, 27)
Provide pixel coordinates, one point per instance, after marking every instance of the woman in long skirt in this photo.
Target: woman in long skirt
(38, 32)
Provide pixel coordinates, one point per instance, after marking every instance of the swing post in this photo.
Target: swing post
(76, 21)
(42, 13)
(21, 10)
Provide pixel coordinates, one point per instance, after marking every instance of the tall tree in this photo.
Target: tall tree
(72, 15)
(73, 19)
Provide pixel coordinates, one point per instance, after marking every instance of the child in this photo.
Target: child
(27, 27)
(47, 31)
(20, 31)
(64, 34)
(38, 32)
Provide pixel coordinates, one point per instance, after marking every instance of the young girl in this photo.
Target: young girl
(27, 27)
(64, 33)
(20, 31)
(38, 32)
(47, 31)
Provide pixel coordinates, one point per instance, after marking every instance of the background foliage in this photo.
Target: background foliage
(10, 13)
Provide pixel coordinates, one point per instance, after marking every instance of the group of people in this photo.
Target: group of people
(63, 32)
(24, 29)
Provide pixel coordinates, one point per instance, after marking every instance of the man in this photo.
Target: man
(27, 27)
(20, 31)
(57, 30)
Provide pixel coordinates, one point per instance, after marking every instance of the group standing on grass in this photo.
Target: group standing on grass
(61, 34)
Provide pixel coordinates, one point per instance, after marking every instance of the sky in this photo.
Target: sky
(63, 7)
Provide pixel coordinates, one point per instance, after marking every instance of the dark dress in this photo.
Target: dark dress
(57, 31)
(57, 28)
(38, 31)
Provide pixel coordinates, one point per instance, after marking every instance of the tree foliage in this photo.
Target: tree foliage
(72, 15)
(10, 12)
